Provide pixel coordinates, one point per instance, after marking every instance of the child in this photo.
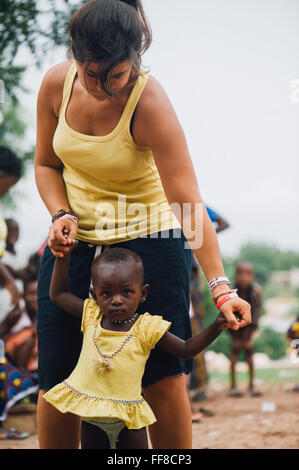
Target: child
(105, 386)
(242, 339)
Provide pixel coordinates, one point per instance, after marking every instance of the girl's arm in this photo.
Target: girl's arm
(193, 346)
(48, 167)
(156, 126)
(59, 288)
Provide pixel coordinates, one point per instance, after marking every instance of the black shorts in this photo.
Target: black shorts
(167, 268)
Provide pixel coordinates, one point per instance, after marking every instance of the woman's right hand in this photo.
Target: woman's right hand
(62, 235)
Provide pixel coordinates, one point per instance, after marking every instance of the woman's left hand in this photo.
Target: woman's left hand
(239, 306)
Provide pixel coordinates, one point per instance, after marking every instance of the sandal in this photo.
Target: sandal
(12, 433)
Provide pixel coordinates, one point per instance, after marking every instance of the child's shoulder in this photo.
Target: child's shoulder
(150, 328)
(91, 311)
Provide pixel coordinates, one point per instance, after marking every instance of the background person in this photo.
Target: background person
(242, 340)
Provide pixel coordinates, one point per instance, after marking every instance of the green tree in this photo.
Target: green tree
(32, 24)
(271, 343)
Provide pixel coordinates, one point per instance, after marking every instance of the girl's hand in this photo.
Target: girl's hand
(61, 238)
(222, 322)
(238, 306)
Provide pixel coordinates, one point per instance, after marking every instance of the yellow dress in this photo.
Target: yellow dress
(95, 391)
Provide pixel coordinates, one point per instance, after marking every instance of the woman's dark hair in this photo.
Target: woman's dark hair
(110, 32)
(10, 164)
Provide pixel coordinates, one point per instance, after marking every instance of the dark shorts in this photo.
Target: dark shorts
(167, 268)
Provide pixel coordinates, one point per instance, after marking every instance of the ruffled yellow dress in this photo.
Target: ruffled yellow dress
(110, 388)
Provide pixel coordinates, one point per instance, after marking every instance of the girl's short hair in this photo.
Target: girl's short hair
(110, 32)
(118, 254)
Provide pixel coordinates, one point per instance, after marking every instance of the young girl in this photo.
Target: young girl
(105, 386)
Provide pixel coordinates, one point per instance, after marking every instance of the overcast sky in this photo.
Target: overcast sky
(228, 67)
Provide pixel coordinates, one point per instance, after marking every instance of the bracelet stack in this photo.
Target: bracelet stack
(63, 214)
(217, 281)
(225, 296)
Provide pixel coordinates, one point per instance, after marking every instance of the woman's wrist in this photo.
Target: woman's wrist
(220, 289)
(218, 281)
(63, 213)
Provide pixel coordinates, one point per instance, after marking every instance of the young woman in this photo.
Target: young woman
(109, 145)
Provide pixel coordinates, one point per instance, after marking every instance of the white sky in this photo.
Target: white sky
(227, 67)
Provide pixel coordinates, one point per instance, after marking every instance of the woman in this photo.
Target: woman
(109, 145)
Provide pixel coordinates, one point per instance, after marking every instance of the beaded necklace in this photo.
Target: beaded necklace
(104, 361)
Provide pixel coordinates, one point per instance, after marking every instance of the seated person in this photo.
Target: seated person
(20, 341)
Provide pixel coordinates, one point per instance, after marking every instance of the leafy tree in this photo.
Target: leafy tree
(271, 343)
(33, 24)
(37, 26)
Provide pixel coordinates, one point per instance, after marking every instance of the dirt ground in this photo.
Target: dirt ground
(238, 423)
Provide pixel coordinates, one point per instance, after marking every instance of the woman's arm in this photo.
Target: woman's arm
(193, 346)
(48, 167)
(156, 126)
(59, 288)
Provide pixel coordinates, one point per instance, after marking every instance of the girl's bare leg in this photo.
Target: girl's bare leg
(169, 401)
(133, 439)
(56, 430)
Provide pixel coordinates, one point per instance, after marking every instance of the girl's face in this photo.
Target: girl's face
(117, 289)
(118, 78)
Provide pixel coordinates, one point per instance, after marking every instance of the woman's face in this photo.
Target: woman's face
(118, 77)
(6, 181)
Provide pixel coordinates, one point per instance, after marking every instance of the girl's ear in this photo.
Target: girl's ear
(144, 292)
(92, 291)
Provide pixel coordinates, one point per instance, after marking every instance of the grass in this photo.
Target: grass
(265, 375)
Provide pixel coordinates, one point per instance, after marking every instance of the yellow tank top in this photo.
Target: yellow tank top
(113, 185)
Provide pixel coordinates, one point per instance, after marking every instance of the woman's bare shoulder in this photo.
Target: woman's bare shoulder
(53, 82)
(154, 111)
(153, 92)
(154, 99)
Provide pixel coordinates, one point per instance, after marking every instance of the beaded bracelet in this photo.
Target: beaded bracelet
(69, 216)
(215, 299)
(60, 214)
(217, 281)
(225, 299)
